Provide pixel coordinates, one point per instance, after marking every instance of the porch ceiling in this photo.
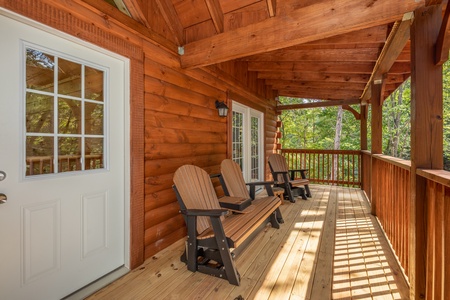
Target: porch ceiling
(326, 49)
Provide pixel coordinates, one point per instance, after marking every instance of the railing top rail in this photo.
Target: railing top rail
(439, 176)
(356, 152)
(401, 163)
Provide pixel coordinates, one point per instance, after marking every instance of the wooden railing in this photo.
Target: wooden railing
(336, 167)
(392, 196)
(437, 233)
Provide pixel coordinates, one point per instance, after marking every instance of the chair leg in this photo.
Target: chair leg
(308, 192)
(289, 193)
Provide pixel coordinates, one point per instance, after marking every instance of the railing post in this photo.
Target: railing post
(377, 138)
(426, 136)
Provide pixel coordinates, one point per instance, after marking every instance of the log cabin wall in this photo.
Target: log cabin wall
(173, 116)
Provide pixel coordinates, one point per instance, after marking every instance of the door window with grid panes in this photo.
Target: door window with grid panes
(247, 147)
(64, 114)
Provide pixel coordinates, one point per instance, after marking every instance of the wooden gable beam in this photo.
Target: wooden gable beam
(317, 104)
(395, 43)
(443, 41)
(317, 21)
(135, 11)
(215, 10)
(272, 7)
(173, 22)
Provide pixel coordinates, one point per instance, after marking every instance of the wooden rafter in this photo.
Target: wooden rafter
(319, 76)
(395, 43)
(215, 10)
(443, 41)
(317, 104)
(286, 84)
(272, 7)
(301, 26)
(135, 11)
(172, 20)
(320, 94)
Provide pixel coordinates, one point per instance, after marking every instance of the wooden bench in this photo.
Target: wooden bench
(214, 234)
(285, 178)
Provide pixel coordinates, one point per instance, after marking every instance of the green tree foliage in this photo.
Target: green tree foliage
(315, 128)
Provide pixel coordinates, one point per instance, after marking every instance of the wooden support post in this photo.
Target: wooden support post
(377, 138)
(363, 124)
(426, 135)
(365, 180)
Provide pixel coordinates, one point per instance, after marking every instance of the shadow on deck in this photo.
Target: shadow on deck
(329, 247)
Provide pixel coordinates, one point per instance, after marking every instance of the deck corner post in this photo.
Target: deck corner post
(426, 137)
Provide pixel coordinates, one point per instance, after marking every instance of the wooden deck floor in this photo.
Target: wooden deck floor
(330, 247)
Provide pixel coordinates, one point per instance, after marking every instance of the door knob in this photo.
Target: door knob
(3, 198)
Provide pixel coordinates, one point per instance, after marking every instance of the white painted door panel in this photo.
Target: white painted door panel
(57, 232)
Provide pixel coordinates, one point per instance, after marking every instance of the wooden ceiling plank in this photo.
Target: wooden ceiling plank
(443, 41)
(317, 104)
(172, 20)
(317, 21)
(136, 12)
(272, 7)
(432, 2)
(320, 94)
(395, 44)
(319, 76)
(326, 67)
(368, 54)
(286, 84)
(215, 10)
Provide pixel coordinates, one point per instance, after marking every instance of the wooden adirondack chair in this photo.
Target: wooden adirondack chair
(285, 178)
(213, 232)
(234, 185)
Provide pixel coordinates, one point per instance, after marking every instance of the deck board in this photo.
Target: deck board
(329, 247)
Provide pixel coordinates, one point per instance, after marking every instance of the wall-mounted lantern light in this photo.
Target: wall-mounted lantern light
(222, 108)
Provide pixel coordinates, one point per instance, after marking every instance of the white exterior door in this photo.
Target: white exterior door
(62, 148)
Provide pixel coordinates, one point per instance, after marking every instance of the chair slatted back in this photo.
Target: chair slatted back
(278, 164)
(232, 175)
(197, 191)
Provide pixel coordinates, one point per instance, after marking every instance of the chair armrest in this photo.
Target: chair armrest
(204, 212)
(267, 185)
(302, 173)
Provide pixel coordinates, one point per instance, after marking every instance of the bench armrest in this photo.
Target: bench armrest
(204, 212)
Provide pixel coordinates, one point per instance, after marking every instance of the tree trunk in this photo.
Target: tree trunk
(337, 141)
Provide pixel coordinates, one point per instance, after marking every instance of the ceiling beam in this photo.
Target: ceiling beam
(172, 20)
(215, 10)
(395, 43)
(317, 21)
(375, 34)
(443, 41)
(317, 104)
(272, 7)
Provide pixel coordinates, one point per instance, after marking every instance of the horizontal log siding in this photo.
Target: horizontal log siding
(179, 124)
(438, 234)
(182, 127)
(392, 209)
